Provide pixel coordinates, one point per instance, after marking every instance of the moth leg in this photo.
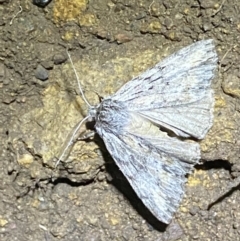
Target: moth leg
(72, 137)
(70, 145)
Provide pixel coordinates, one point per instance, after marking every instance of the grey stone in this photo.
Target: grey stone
(59, 58)
(41, 73)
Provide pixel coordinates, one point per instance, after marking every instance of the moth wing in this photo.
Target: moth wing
(194, 119)
(155, 168)
(176, 92)
(179, 79)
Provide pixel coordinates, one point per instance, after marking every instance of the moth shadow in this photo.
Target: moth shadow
(233, 185)
(121, 183)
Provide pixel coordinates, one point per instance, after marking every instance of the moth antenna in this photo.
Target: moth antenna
(78, 81)
(71, 140)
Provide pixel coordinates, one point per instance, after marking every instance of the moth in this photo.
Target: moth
(149, 125)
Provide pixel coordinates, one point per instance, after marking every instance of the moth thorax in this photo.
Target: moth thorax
(112, 114)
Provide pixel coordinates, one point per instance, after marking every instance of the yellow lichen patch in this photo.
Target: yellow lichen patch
(25, 160)
(200, 177)
(155, 27)
(3, 221)
(220, 102)
(183, 209)
(186, 11)
(67, 10)
(216, 5)
(238, 26)
(195, 180)
(203, 179)
(112, 219)
(72, 196)
(87, 20)
(76, 200)
(91, 219)
(152, 27)
(35, 203)
(68, 36)
(80, 219)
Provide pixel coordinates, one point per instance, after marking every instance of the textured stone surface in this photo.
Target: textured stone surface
(87, 198)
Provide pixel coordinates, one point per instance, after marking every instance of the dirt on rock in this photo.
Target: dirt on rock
(110, 41)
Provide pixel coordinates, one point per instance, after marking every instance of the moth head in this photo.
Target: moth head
(92, 112)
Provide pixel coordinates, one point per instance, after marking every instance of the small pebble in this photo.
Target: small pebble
(59, 58)
(207, 4)
(41, 73)
(123, 38)
(48, 64)
(41, 3)
(101, 177)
